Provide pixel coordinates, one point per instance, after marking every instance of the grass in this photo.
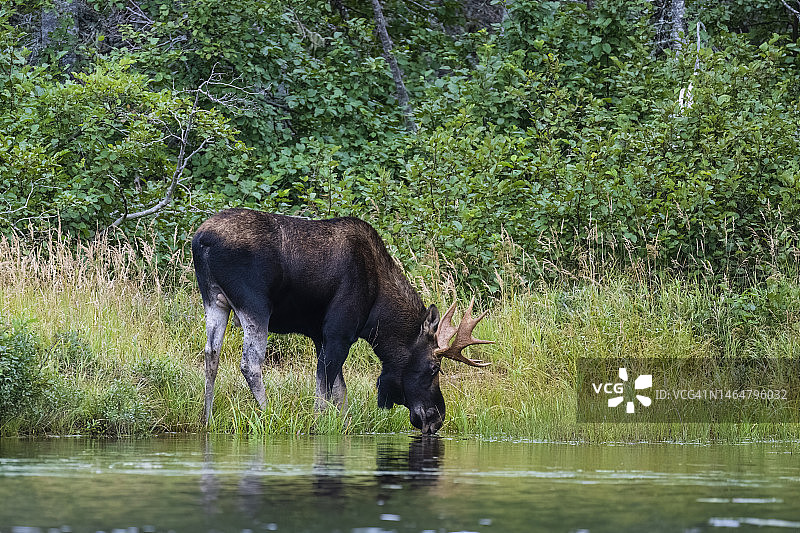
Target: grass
(120, 352)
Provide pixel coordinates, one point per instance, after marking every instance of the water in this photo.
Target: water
(398, 483)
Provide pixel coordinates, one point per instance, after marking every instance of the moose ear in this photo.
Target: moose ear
(431, 322)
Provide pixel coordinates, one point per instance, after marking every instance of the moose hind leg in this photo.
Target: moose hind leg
(216, 322)
(253, 353)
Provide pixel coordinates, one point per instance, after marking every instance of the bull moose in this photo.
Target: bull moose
(333, 281)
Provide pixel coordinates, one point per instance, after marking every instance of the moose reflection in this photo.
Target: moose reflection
(271, 493)
(418, 465)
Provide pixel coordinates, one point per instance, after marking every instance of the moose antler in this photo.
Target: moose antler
(463, 336)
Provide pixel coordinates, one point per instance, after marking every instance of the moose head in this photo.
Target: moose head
(418, 389)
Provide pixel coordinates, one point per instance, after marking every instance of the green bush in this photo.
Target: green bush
(118, 410)
(21, 380)
(162, 374)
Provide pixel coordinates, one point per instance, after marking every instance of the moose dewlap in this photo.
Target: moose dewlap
(333, 281)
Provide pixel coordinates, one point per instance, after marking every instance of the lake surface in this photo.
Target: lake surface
(373, 484)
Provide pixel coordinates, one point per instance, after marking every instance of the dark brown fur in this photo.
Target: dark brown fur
(331, 280)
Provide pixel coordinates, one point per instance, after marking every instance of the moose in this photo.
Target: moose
(334, 282)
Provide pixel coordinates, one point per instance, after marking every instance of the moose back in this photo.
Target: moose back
(333, 281)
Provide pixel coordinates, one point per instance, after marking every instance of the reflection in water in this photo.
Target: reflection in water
(328, 469)
(393, 483)
(407, 469)
(251, 485)
(209, 484)
(400, 467)
(421, 459)
(416, 465)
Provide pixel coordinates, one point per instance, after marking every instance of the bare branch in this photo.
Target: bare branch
(34, 186)
(791, 9)
(397, 74)
(233, 101)
(677, 14)
(136, 11)
(180, 164)
(176, 178)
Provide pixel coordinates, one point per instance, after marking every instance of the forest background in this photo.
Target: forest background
(553, 125)
(500, 146)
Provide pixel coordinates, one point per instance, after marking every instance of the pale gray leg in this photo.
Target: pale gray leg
(253, 354)
(216, 322)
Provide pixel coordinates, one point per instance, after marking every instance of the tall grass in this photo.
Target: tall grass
(120, 350)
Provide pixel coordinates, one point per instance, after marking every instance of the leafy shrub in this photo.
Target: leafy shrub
(20, 369)
(119, 410)
(553, 147)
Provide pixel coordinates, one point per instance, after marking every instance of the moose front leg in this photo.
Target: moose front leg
(331, 388)
(336, 394)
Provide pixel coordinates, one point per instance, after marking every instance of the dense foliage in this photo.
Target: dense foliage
(20, 373)
(550, 134)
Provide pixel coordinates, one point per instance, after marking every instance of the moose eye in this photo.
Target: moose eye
(435, 369)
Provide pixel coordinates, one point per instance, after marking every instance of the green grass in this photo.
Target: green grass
(119, 353)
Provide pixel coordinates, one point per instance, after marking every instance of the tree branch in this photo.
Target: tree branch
(397, 74)
(677, 15)
(181, 163)
(791, 9)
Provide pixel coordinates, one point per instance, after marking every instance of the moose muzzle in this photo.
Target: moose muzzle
(427, 420)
